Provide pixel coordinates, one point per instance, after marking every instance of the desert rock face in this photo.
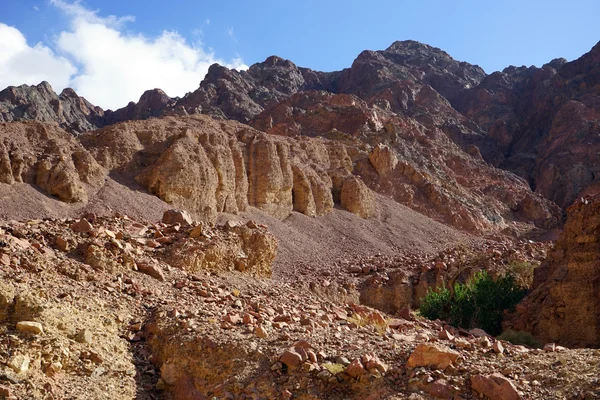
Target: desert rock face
(50, 158)
(564, 304)
(244, 94)
(151, 104)
(356, 197)
(209, 167)
(40, 103)
(534, 114)
(518, 119)
(409, 60)
(417, 165)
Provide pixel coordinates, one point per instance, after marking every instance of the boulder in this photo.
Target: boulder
(432, 355)
(495, 387)
(181, 217)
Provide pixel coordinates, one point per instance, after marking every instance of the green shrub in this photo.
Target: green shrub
(520, 337)
(479, 303)
(523, 272)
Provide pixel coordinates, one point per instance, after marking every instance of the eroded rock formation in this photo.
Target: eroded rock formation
(418, 165)
(40, 103)
(209, 166)
(47, 156)
(564, 305)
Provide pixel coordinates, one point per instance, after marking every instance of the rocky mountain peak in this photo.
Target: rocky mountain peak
(275, 61)
(556, 63)
(41, 103)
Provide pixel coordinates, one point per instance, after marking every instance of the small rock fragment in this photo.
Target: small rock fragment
(84, 336)
(261, 332)
(355, 369)
(550, 347)
(82, 226)
(62, 244)
(495, 387)
(30, 327)
(498, 347)
(19, 363)
(172, 217)
(149, 268)
(430, 355)
(291, 358)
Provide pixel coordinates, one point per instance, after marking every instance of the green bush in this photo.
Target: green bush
(479, 303)
(523, 272)
(520, 337)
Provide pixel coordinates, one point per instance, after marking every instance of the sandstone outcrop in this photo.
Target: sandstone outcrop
(207, 167)
(357, 198)
(420, 166)
(46, 156)
(518, 119)
(563, 306)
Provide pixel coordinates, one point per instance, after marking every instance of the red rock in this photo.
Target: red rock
(355, 369)
(82, 226)
(62, 244)
(550, 347)
(561, 306)
(233, 319)
(261, 332)
(498, 347)
(445, 335)
(302, 344)
(431, 355)
(282, 318)
(152, 243)
(495, 387)
(405, 313)
(440, 389)
(4, 259)
(172, 217)
(373, 363)
(151, 269)
(5, 391)
(248, 319)
(291, 358)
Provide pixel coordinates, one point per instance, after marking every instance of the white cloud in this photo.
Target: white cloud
(78, 12)
(114, 66)
(22, 64)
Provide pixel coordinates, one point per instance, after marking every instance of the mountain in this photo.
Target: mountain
(232, 243)
(520, 119)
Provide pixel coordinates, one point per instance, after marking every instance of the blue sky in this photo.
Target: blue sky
(180, 38)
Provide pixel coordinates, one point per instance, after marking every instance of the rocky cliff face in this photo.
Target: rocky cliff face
(564, 305)
(375, 71)
(408, 95)
(47, 156)
(417, 164)
(40, 103)
(209, 166)
(534, 115)
(241, 95)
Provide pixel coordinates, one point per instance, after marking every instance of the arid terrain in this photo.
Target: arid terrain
(272, 234)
